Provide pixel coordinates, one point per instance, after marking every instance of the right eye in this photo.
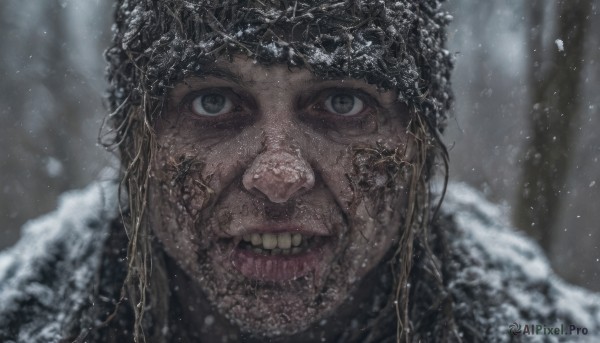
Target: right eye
(211, 105)
(344, 104)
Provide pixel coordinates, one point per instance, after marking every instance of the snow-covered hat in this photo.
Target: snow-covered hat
(393, 44)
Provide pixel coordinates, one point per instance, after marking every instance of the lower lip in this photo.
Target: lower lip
(276, 268)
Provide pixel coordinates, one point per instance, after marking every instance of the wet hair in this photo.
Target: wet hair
(397, 45)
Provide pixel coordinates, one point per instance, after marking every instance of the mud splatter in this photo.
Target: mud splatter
(185, 175)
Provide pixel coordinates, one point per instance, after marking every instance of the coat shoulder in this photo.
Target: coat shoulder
(46, 277)
(501, 281)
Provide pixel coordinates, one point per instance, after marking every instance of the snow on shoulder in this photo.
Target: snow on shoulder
(499, 276)
(44, 278)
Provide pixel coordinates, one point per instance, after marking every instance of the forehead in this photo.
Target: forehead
(248, 73)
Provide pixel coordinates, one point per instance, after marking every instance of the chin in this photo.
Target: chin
(271, 295)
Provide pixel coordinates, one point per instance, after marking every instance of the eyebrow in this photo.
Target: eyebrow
(227, 74)
(221, 73)
(238, 78)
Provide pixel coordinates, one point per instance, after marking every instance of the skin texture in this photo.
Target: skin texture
(278, 161)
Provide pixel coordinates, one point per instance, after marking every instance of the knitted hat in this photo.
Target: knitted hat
(392, 44)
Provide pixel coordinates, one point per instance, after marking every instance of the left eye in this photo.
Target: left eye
(211, 105)
(344, 104)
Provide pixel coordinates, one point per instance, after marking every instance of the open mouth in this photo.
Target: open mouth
(286, 243)
(279, 256)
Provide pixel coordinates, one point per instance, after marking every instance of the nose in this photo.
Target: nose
(279, 175)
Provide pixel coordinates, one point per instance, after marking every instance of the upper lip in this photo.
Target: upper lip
(278, 228)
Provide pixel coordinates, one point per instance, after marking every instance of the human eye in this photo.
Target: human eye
(216, 108)
(344, 104)
(211, 104)
(341, 104)
(347, 111)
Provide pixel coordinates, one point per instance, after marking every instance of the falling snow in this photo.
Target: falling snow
(560, 45)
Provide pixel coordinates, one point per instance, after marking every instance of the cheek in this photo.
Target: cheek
(177, 194)
(379, 181)
(371, 236)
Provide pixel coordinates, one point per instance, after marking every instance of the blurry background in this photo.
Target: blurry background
(527, 86)
(51, 86)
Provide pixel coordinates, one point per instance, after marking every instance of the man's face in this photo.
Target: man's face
(276, 191)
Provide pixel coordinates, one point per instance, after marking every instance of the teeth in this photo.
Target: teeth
(269, 241)
(256, 239)
(284, 241)
(296, 239)
(281, 243)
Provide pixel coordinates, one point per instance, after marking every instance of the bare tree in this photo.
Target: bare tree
(555, 78)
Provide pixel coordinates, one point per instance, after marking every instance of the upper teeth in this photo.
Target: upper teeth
(271, 241)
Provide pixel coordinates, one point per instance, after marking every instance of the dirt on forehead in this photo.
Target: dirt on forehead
(393, 44)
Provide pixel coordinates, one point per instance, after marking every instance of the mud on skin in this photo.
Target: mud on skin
(208, 205)
(234, 293)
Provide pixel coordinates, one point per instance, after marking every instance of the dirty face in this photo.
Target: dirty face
(276, 191)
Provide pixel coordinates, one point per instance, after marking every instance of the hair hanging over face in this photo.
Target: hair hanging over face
(396, 45)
